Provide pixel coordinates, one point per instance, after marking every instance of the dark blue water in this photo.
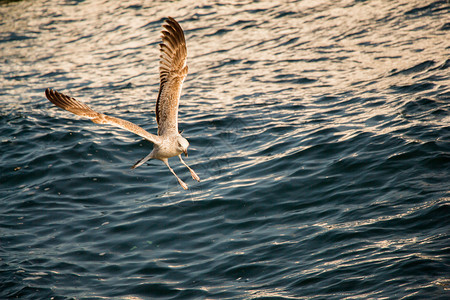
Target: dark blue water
(320, 130)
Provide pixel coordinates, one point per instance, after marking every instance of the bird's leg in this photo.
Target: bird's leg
(194, 175)
(142, 161)
(183, 185)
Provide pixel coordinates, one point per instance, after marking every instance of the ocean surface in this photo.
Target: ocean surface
(320, 130)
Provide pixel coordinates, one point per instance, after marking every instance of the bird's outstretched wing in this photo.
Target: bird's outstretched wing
(81, 109)
(172, 72)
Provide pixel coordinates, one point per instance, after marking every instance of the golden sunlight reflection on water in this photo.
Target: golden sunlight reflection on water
(319, 129)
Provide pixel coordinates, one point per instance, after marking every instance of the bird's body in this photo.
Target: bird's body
(168, 148)
(173, 70)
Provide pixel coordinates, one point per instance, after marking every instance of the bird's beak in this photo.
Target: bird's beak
(185, 153)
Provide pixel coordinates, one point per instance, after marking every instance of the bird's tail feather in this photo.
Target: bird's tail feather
(142, 161)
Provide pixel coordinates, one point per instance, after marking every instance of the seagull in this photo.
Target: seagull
(172, 72)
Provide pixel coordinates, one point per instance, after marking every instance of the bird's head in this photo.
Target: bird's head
(183, 144)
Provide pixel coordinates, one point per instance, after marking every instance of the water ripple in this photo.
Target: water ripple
(320, 131)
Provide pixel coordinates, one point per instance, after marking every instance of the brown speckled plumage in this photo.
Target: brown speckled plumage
(173, 71)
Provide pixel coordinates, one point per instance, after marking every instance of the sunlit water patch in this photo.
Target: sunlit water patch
(320, 130)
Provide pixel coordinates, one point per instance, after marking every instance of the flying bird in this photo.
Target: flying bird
(172, 72)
